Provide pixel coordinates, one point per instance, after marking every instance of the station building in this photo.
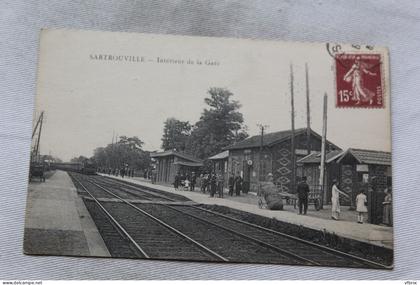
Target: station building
(169, 163)
(254, 161)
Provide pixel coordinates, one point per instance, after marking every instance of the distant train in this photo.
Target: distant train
(87, 167)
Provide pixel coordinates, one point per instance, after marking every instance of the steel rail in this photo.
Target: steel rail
(123, 183)
(139, 193)
(255, 240)
(259, 242)
(321, 247)
(272, 247)
(201, 246)
(138, 247)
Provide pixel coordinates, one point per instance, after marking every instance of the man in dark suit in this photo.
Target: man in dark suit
(231, 184)
(193, 181)
(238, 185)
(303, 192)
(213, 184)
(176, 181)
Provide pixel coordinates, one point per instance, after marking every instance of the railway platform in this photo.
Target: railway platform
(57, 221)
(372, 234)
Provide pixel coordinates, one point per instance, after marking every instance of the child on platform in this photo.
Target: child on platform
(361, 201)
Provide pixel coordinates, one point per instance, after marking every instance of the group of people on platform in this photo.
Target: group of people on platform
(361, 202)
(212, 183)
(123, 171)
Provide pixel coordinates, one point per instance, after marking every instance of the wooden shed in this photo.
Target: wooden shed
(169, 163)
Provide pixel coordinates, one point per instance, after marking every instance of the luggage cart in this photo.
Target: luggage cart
(37, 170)
(315, 196)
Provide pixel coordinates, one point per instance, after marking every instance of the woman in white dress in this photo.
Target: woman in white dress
(335, 200)
(361, 209)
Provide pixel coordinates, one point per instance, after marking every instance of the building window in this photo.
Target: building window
(363, 177)
(265, 166)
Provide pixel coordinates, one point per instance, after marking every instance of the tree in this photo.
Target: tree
(132, 143)
(219, 126)
(79, 159)
(101, 157)
(175, 134)
(127, 151)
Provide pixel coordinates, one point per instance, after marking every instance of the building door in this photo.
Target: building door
(247, 176)
(375, 198)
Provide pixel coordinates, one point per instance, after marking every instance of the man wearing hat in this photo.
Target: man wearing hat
(303, 192)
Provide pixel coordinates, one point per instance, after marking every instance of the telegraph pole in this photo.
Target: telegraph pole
(115, 160)
(262, 128)
(324, 138)
(111, 155)
(308, 113)
(292, 102)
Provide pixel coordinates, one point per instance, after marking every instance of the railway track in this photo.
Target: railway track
(149, 236)
(234, 248)
(156, 194)
(135, 193)
(245, 242)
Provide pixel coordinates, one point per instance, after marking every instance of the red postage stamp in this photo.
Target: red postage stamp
(359, 80)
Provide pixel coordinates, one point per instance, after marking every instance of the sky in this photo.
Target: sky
(87, 97)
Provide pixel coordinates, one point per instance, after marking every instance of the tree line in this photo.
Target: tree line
(125, 152)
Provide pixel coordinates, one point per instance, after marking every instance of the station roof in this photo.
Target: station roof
(271, 139)
(362, 156)
(222, 155)
(175, 153)
(315, 157)
(365, 156)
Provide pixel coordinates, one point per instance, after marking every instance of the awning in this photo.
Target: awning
(221, 155)
(187, 163)
(175, 153)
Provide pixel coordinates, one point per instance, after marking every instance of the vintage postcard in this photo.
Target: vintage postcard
(211, 149)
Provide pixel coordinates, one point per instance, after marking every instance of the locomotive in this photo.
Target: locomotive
(88, 168)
